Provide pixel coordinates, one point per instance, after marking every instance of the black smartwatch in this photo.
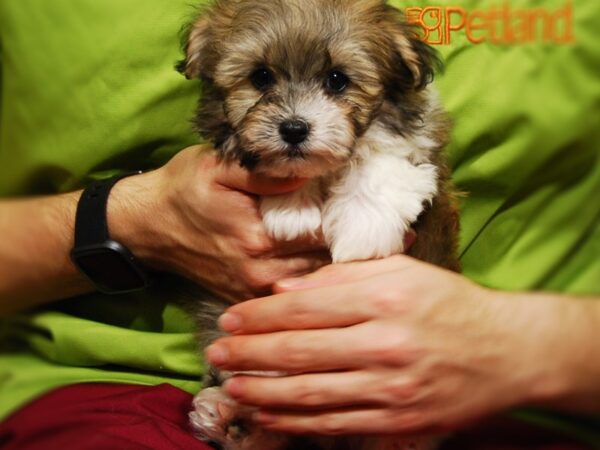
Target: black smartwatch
(108, 264)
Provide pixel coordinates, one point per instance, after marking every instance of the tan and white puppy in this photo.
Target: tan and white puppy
(336, 91)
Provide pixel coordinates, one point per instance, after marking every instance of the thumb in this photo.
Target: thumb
(237, 178)
(344, 273)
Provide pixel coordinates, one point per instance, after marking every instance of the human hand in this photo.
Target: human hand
(200, 218)
(393, 346)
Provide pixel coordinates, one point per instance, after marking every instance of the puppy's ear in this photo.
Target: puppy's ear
(416, 61)
(196, 39)
(420, 58)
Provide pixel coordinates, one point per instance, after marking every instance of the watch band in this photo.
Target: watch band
(108, 264)
(91, 225)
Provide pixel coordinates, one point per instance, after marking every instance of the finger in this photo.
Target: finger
(343, 273)
(235, 177)
(261, 274)
(299, 264)
(324, 390)
(284, 351)
(302, 351)
(347, 421)
(328, 307)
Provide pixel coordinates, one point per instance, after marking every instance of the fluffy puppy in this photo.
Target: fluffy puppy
(336, 91)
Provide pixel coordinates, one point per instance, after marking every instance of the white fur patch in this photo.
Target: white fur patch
(378, 139)
(331, 133)
(288, 217)
(374, 201)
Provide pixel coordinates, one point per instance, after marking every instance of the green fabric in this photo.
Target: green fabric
(88, 88)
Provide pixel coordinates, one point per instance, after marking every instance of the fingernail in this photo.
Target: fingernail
(264, 418)
(233, 387)
(230, 322)
(217, 355)
(409, 239)
(290, 283)
(226, 411)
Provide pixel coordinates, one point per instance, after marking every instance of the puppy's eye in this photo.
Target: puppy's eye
(337, 82)
(262, 78)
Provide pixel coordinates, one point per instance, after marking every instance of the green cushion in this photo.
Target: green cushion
(88, 88)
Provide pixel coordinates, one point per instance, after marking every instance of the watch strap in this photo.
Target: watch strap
(91, 223)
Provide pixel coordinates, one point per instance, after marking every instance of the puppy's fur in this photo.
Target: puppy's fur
(336, 91)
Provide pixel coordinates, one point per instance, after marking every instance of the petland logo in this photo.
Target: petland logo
(496, 24)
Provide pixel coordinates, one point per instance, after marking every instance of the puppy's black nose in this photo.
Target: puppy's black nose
(294, 131)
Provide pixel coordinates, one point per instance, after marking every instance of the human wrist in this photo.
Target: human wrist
(519, 326)
(576, 357)
(555, 362)
(134, 216)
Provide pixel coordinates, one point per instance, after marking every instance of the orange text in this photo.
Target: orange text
(497, 24)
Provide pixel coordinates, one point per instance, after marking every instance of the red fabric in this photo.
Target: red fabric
(103, 416)
(115, 417)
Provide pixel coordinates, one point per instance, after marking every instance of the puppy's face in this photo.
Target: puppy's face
(289, 85)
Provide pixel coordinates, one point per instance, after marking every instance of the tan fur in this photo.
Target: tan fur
(438, 227)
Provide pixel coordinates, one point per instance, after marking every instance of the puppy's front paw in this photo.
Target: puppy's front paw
(355, 235)
(373, 206)
(219, 419)
(357, 246)
(292, 216)
(213, 410)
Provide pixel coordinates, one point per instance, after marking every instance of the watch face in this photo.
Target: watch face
(110, 268)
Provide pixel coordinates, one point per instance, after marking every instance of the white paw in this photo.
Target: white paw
(220, 419)
(213, 410)
(374, 205)
(292, 216)
(364, 246)
(355, 235)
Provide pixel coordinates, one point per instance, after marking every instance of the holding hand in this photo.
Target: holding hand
(200, 218)
(194, 216)
(392, 346)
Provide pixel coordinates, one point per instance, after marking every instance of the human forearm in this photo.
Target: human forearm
(193, 216)
(37, 235)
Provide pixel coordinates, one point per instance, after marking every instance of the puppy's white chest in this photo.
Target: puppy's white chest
(364, 211)
(296, 215)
